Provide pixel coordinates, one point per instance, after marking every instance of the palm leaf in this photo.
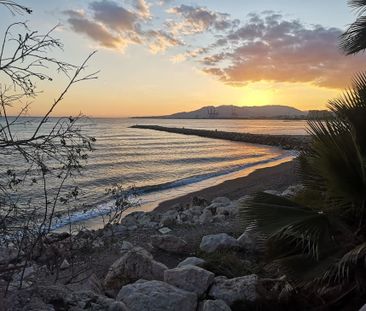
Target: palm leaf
(349, 262)
(359, 5)
(335, 161)
(351, 108)
(354, 39)
(283, 220)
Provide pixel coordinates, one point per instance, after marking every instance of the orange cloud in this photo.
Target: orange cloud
(269, 48)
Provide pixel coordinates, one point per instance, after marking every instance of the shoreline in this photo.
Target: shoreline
(261, 174)
(278, 177)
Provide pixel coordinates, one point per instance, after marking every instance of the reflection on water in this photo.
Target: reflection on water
(163, 165)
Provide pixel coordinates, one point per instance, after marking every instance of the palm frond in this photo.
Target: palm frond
(353, 40)
(351, 108)
(306, 271)
(349, 262)
(359, 5)
(335, 160)
(283, 220)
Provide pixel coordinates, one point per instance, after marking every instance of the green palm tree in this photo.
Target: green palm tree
(325, 239)
(354, 39)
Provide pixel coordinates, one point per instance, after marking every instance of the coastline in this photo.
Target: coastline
(277, 175)
(277, 178)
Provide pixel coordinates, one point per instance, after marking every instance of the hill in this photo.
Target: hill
(235, 112)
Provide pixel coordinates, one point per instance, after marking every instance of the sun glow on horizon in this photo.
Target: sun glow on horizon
(256, 97)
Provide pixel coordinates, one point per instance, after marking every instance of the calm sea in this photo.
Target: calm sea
(164, 165)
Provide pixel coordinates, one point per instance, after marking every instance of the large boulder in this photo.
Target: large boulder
(192, 261)
(232, 290)
(249, 241)
(169, 243)
(215, 305)
(190, 278)
(217, 242)
(156, 296)
(134, 265)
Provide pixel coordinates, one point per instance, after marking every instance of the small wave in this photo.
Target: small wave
(105, 208)
(201, 177)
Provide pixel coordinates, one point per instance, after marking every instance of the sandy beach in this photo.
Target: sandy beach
(272, 178)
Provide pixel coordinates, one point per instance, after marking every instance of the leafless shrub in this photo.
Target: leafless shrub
(39, 157)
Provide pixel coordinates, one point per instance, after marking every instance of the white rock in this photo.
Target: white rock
(221, 201)
(65, 264)
(215, 305)
(238, 289)
(156, 296)
(169, 243)
(190, 278)
(192, 261)
(216, 242)
(134, 265)
(165, 230)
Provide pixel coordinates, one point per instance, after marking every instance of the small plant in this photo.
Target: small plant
(123, 199)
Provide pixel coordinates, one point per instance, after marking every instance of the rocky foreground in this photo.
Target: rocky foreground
(196, 257)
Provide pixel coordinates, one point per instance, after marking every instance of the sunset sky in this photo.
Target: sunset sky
(163, 56)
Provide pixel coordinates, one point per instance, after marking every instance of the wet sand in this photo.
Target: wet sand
(278, 177)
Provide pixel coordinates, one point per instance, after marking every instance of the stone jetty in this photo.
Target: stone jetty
(288, 142)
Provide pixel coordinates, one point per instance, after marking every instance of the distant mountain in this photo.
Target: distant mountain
(235, 112)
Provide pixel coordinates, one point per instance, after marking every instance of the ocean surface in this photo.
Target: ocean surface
(162, 166)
